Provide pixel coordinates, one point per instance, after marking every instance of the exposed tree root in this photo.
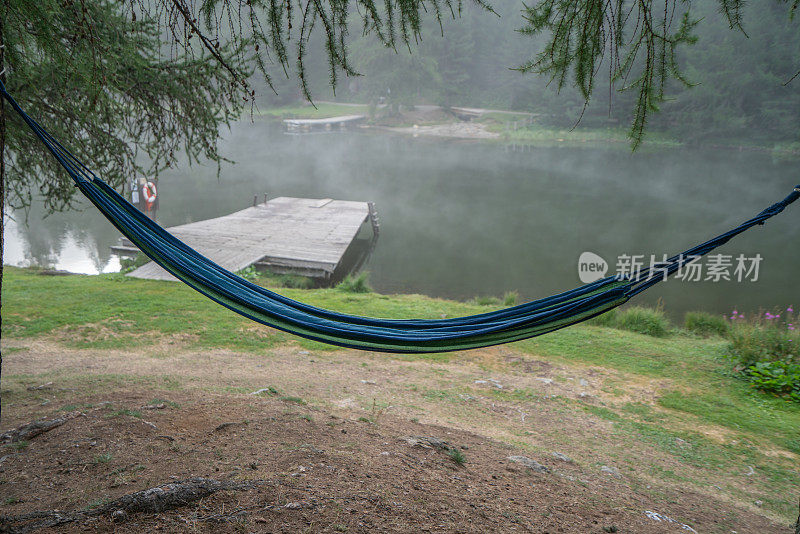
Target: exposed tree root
(168, 496)
(31, 430)
(153, 500)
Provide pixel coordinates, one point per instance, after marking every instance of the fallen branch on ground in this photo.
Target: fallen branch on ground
(169, 496)
(153, 500)
(31, 430)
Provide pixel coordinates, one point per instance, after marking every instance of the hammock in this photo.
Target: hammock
(266, 307)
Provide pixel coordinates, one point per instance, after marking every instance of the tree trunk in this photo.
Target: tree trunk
(2, 185)
(797, 526)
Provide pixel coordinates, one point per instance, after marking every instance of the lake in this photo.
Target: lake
(463, 218)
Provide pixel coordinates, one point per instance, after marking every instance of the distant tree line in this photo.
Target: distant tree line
(740, 86)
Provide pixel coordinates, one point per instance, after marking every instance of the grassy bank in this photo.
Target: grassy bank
(513, 127)
(541, 135)
(669, 410)
(521, 129)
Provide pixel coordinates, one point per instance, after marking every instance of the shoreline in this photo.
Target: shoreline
(502, 126)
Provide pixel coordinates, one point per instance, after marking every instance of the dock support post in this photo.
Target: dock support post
(373, 218)
(255, 200)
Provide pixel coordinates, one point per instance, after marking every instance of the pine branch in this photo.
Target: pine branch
(583, 34)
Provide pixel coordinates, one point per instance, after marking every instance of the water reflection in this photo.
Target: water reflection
(56, 243)
(460, 219)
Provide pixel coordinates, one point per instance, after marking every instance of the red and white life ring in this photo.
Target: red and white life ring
(149, 192)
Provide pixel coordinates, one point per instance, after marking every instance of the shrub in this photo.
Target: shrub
(249, 273)
(648, 321)
(751, 344)
(103, 458)
(456, 456)
(485, 301)
(608, 319)
(355, 284)
(510, 298)
(782, 378)
(705, 324)
(131, 264)
(765, 337)
(766, 349)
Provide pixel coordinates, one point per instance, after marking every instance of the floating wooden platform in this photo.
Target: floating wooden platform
(301, 236)
(307, 125)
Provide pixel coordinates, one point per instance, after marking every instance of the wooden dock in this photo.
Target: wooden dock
(310, 125)
(467, 114)
(286, 235)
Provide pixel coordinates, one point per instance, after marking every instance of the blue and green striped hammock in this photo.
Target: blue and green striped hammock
(269, 308)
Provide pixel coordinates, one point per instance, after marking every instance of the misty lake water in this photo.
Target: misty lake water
(464, 218)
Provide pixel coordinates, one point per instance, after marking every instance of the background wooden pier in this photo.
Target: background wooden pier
(322, 125)
(286, 235)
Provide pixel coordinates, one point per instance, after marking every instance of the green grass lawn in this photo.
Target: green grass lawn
(121, 309)
(697, 386)
(115, 311)
(552, 136)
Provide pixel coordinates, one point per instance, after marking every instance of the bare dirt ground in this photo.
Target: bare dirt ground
(435, 122)
(335, 446)
(454, 130)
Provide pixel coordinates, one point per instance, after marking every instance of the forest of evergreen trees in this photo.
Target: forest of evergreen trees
(740, 91)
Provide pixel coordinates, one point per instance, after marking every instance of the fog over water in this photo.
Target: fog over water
(460, 219)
